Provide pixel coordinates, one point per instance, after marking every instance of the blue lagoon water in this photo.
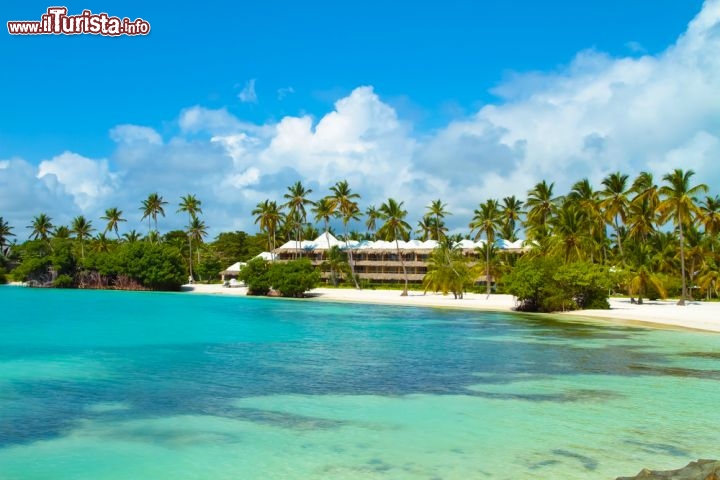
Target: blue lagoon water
(121, 385)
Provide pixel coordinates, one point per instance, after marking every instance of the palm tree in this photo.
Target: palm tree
(100, 243)
(82, 228)
(511, 213)
(642, 275)
(571, 236)
(710, 218)
(269, 216)
(395, 227)
(679, 204)
(41, 227)
(372, 215)
(325, 209)
(152, 207)
(296, 197)
(113, 217)
(447, 270)
(425, 228)
(61, 232)
(587, 201)
(5, 232)
(487, 219)
(132, 236)
(541, 205)
(192, 206)
(348, 209)
(438, 210)
(615, 203)
(197, 230)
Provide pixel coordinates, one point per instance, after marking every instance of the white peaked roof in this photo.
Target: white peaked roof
(325, 241)
(266, 256)
(234, 268)
(321, 243)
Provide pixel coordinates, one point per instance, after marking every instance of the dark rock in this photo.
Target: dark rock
(700, 470)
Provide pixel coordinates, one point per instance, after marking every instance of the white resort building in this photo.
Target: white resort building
(378, 261)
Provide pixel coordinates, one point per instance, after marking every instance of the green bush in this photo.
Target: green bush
(256, 275)
(293, 278)
(547, 285)
(64, 281)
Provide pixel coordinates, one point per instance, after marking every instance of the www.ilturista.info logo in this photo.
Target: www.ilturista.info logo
(57, 22)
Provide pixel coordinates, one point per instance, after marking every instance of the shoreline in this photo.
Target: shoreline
(697, 316)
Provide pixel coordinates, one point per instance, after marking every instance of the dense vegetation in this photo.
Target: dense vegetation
(289, 279)
(71, 256)
(636, 236)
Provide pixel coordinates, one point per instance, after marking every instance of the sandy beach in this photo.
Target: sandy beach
(695, 315)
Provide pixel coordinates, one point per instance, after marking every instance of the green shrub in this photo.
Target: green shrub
(256, 275)
(547, 285)
(293, 278)
(64, 281)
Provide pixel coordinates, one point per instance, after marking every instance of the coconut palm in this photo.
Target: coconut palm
(447, 270)
(100, 243)
(152, 207)
(511, 213)
(641, 274)
(395, 227)
(132, 236)
(192, 206)
(487, 220)
(614, 203)
(325, 209)
(678, 203)
(372, 215)
(709, 280)
(297, 200)
(197, 230)
(62, 232)
(5, 233)
(437, 210)
(710, 217)
(42, 227)
(113, 216)
(571, 235)
(347, 207)
(269, 216)
(82, 228)
(425, 228)
(541, 205)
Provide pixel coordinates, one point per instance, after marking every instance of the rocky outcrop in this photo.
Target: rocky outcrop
(700, 470)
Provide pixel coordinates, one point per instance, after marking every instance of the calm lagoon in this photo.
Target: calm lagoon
(127, 385)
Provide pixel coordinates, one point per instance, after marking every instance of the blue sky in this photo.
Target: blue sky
(235, 100)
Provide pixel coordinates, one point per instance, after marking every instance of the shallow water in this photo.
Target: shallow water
(122, 385)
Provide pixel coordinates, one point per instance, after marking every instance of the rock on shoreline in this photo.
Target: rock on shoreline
(700, 470)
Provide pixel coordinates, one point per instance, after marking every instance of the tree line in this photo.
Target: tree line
(654, 238)
(657, 238)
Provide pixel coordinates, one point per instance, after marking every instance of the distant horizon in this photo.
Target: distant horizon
(451, 101)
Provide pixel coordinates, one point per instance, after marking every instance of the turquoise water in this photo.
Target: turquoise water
(122, 385)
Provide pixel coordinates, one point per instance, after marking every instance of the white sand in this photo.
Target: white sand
(695, 315)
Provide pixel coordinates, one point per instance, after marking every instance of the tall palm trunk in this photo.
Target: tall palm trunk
(350, 258)
(683, 294)
(617, 233)
(190, 257)
(402, 262)
(487, 269)
(332, 268)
